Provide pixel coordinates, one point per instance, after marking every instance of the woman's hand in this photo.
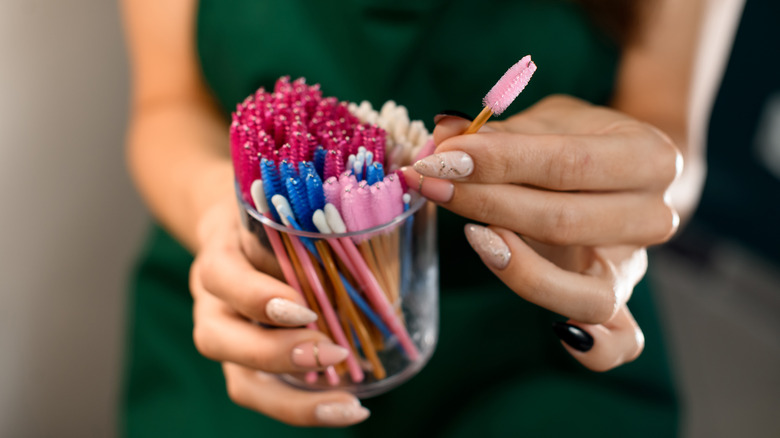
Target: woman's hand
(234, 286)
(585, 188)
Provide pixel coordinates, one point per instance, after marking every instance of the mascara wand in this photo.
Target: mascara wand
(504, 92)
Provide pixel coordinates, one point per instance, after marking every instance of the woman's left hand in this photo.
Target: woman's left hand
(585, 187)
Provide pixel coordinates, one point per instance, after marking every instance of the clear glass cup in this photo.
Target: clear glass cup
(400, 260)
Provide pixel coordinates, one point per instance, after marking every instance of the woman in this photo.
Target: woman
(587, 187)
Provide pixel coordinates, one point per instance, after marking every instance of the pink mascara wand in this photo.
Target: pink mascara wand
(504, 92)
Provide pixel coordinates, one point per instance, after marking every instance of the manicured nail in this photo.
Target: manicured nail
(573, 336)
(490, 246)
(437, 190)
(288, 313)
(341, 414)
(318, 355)
(451, 113)
(446, 165)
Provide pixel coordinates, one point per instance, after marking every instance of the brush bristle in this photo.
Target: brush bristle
(510, 85)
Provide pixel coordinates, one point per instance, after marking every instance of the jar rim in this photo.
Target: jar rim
(414, 206)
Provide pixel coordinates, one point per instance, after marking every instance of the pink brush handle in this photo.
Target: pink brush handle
(336, 245)
(379, 300)
(367, 280)
(327, 309)
(292, 280)
(281, 256)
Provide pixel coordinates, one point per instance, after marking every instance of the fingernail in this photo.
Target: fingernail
(490, 246)
(337, 414)
(318, 355)
(446, 165)
(573, 336)
(437, 190)
(288, 313)
(451, 113)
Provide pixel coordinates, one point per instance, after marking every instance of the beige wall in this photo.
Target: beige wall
(69, 220)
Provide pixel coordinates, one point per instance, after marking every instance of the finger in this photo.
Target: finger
(448, 126)
(592, 297)
(261, 258)
(604, 346)
(580, 116)
(559, 218)
(222, 335)
(223, 270)
(451, 113)
(267, 394)
(631, 156)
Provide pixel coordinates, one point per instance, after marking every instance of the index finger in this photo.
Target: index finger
(225, 272)
(629, 156)
(592, 297)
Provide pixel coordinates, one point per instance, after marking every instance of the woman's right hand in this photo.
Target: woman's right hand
(234, 284)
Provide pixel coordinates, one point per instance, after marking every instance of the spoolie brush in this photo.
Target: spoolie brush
(504, 92)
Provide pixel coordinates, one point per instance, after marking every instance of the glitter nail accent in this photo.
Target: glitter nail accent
(446, 165)
(490, 246)
(337, 414)
(286, 312)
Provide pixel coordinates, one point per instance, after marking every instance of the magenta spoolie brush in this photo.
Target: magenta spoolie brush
(504, 92)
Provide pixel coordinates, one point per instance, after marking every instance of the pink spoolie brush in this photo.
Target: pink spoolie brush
(364, 217)
(504, 92)
(396, 190)
(381, 204)
(332, 190)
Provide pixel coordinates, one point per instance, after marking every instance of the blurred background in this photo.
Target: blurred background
(70, 220)
(71, 224)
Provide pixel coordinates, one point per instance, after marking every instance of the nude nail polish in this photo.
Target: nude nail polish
(318, 355)
(446, 165)
(286, 312)
(490, 246)
(437, 190)
(341, 414)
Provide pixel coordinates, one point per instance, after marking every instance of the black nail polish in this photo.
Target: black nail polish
(451, 113)
(573, 336)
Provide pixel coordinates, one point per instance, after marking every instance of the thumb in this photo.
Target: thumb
(449, 124)
(452, 123)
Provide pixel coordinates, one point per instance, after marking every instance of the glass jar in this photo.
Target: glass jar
(380, 290)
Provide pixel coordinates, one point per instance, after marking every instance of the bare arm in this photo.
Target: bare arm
(179, 157)
(654, 86)
(177, 148)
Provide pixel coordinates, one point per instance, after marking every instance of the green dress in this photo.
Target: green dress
(498, 369)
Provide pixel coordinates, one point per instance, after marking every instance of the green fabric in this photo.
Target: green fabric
(498, 369)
